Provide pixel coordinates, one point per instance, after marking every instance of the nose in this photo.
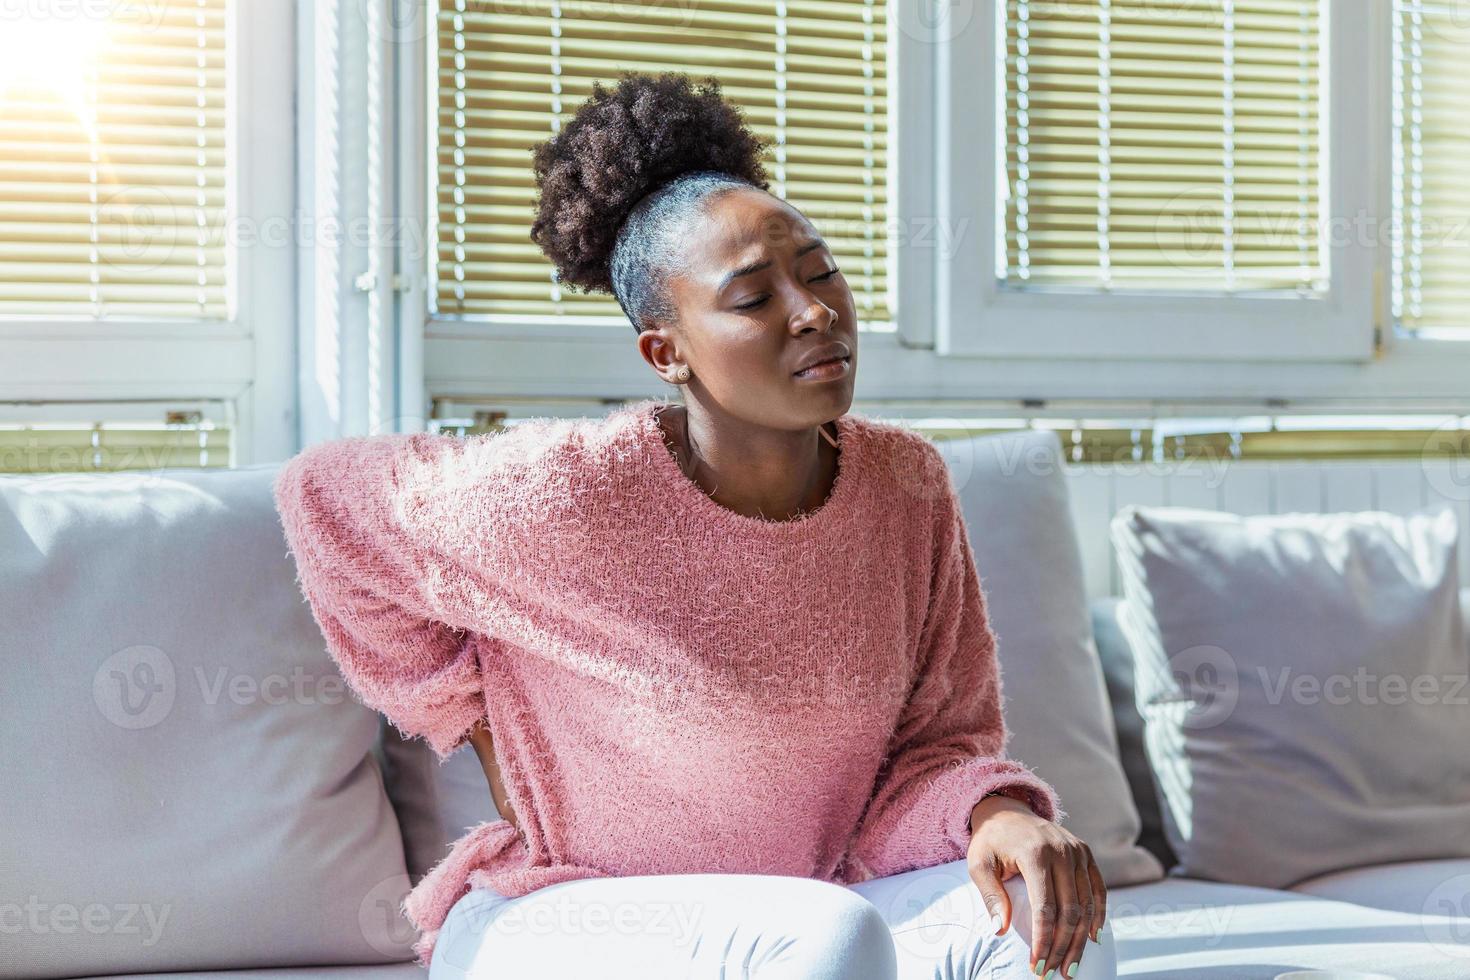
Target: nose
(816, 315)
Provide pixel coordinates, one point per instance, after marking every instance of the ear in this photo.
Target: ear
(657, 346)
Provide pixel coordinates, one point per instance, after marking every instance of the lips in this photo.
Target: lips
(828, 354)
(832, 369)
(814, 368)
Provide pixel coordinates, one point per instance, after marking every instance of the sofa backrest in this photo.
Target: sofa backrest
(1100, 490)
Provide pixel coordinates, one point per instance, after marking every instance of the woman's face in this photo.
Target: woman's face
(760, 295)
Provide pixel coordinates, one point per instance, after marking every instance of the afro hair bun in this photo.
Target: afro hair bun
(619, 146)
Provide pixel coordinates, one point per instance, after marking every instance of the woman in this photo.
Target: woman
(726, 663)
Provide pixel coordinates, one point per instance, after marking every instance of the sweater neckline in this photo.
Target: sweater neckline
(690, 494)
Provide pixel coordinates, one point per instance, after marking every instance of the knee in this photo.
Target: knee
(845, 937)
(1099, 960)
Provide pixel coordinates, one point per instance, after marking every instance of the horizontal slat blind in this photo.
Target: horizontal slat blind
(810, 75)
(1163, 146)
(1431, 266)
(112, 164)
(112, 446)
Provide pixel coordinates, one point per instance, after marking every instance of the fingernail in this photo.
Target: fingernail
(1072, 970)
(1049, 973)
(1038, 966)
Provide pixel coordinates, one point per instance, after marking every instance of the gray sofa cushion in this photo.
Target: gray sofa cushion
(1204, 930)
(1013, 490)
(1301, 679)
(1432, 888)
(187, 782)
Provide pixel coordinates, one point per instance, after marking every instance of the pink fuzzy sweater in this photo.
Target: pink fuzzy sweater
(671, 686)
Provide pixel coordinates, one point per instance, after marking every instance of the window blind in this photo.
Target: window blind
(111, 446)
(1431, 122)
(112, 162)
(810, 76)
(1162, 146)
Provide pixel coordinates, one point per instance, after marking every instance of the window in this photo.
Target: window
(810, 75)
(148, 226)
(112, 163)
(1431, 143)
(1181, 182)
(1163, 146)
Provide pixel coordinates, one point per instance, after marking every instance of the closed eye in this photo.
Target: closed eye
(757, 302)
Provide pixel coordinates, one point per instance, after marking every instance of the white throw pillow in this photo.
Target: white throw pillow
(1303, 683)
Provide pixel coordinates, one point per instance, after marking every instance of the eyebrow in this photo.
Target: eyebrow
(746, 270)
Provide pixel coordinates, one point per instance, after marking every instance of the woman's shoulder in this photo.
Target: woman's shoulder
(908, 458)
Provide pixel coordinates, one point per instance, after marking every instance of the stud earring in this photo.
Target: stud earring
(682, 375)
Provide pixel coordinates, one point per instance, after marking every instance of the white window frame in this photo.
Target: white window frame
(952, 341)
(981, 315)
(244, 362)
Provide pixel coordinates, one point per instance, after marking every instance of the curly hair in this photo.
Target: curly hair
(620, 181)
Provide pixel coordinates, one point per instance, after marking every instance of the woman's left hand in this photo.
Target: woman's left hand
(1063, 884)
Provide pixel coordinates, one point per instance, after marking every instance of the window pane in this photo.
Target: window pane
(810, 75)
(112, 160)
(1431, 260)
(1162, 146)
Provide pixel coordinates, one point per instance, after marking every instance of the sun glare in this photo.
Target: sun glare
(51, 57)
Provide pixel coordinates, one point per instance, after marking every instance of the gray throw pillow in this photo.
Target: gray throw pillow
(185, 783)
(1013, 491)
(1303, 684)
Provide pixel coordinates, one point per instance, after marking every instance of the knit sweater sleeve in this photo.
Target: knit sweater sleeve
(370, 571)
(948, 749)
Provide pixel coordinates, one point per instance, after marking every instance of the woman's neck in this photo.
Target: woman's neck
(756, 471)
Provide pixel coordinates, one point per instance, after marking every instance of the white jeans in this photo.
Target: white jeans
(927, 924)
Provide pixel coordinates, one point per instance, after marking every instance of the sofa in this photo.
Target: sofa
(191, 791)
